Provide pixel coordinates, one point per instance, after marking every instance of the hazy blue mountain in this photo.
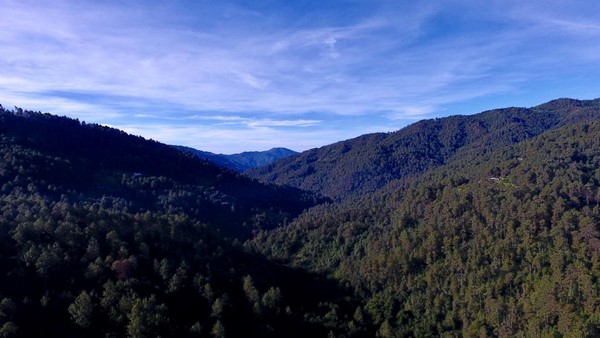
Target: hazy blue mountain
(243, 161)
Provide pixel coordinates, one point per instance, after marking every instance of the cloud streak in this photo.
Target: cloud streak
(120, 63)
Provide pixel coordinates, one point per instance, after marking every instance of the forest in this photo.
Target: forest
(469, 226)
(362, 165)
(107, 234)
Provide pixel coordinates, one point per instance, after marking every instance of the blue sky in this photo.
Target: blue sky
(230, 76)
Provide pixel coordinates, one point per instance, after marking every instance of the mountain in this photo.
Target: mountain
(218, 159)
(504, 242)
(108, 234)
(468, 226)
(254, 159)
(98, 159)
(366, 163)
(242, 161)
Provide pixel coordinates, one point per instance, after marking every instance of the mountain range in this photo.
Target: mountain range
(368, 162)
(488, 226)
(484, 225)
(242, 161)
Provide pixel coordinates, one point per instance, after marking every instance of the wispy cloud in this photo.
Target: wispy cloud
(282, 123)
(225, 140)
(251, 122)
(238, 65)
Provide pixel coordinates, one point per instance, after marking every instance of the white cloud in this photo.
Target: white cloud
(192, 71)
(281, 123)
(224, 140)
(204, 63)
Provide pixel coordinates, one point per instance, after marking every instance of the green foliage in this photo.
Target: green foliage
(272, 299)
(147, 318)
(107, 234)
(505, 242)
(473, 226)
(364, 164)
(250, 290)
(218, 330)
(81, 310)
(9, 330)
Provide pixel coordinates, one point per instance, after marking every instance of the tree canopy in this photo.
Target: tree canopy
(482, 226)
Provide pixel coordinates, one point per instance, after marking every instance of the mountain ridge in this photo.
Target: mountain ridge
(368, 162)
(464, 226)
(244, 160)
(96, 156)
(108, 234)
(490, 243)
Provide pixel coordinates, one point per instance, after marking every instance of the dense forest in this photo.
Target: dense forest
(108, 234)
(364, 164)
(501, 244)
(468, 226)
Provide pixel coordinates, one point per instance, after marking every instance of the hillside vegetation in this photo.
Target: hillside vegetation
(107, 234)
(365, 164)
(468, 226)
(501, 244)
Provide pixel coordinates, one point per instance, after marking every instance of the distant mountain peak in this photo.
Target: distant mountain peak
(245, 160)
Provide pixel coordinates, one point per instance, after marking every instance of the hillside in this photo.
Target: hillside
(218, 159)
(98, 161)
(503, 243)
(364, 164)
(494, 232)
(108, 234)
(242, 161)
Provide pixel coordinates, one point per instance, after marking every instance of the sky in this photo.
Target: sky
(232, 76)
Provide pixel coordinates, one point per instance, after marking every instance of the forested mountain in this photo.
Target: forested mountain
(502, 243)
(108, 234)
(364, 164)
(97, 160)
(242, 161)
(254, 159)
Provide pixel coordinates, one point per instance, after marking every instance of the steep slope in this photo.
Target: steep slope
(242, 161)
(366, 163)
(100, 161)
(107, 234)
(218, 159)
(501, 243)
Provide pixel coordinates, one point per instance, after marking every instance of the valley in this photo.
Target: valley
(466, 226)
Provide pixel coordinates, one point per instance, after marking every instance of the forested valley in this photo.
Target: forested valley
(107, 234)
(468, 226)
